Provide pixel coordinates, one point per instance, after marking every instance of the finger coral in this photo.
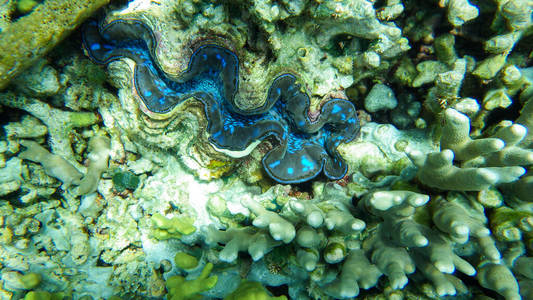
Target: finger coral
(488, 161)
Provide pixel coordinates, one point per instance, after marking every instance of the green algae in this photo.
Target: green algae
(31, 280)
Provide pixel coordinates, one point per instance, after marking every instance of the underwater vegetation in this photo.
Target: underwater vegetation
(259, 149)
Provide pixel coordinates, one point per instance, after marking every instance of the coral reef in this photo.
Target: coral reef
(259, 149)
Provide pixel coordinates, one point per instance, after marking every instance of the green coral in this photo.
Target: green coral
(185, 261)
(251, 290)
(176, 227)
(489, 67)
(444, 48)
(30, 280)
(42, 295)
(181, 289)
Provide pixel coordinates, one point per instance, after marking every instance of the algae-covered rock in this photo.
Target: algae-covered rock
(28, 127)
(60, 123)
(40, 80)
(26, 6)
(38, 32)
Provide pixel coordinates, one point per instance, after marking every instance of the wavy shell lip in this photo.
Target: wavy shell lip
(160, 116)
(307, 147)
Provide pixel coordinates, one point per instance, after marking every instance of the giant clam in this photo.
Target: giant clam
(306, 146)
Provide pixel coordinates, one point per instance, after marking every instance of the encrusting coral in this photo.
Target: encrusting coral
(38, 32)
(166, 228)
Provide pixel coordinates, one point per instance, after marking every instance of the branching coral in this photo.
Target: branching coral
(98, 161)
(356, 272)
(57, 167)
(54, 165)
(279, 228)
(515, 14)
(60, 123)
(499, 278)
(399, 244)
(459, 11)
(235, 240)
(487, 162)
(181, 289)
(396, 247)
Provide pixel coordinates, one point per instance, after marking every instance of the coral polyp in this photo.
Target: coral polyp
(306, 145)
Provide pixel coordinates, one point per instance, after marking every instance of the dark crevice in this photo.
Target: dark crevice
(102, 263)
(510, 113)
(282, 290)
